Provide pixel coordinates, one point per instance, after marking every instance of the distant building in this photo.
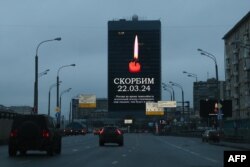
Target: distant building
(237, 67)
(88, 113)
(203, 90)
(21, 109)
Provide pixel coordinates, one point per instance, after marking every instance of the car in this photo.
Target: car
(34, 132)
(110, 134)
(75, 128)
(96, 131)
(211, 135)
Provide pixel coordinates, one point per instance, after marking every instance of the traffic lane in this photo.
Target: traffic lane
(70, 146)
(195, 145)
(159, 151)
(139, 149)
(77, 151)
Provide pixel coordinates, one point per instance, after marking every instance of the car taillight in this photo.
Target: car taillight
(101, 131)
(13, 133)
(118, 132)
(45, 133)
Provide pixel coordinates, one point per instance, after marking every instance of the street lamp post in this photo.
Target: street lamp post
(211, 56)
(182, 93)
(52, 86)
(57, 88)
(43, 73)
(35, 107)
(169, 91)
(170, 87)
(63, 92)
(191, 75)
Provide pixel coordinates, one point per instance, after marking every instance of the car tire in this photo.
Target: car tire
(101, 143)
(58, 149)
(121, 143)
(12, 151)
(23, 152)
(50, 151)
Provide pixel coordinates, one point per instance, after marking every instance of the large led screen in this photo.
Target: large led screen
(134, 67)
(213, 108)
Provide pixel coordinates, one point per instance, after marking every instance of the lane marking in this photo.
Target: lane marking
(189, 151)
(24, 162)
(114, 162)
(74, 150)
(124, 155)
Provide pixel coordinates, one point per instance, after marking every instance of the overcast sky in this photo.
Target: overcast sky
(82, 25)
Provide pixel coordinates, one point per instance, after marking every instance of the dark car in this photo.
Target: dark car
(211, 135)
(110, 134)
(75, 128)
(34, 132)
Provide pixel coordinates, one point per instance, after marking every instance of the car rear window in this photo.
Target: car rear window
(19, 120)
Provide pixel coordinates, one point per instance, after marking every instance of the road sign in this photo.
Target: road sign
(167, 104)
(57, 109)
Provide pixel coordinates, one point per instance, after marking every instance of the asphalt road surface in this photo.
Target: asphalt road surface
(139, 150)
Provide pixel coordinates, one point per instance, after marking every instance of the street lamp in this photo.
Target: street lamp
(211, 56)
(43, 73)
(63, 92)
(169, 91)
(182, 93)
(50, 88)
(191, 75)
(35, 107)
(170, 87)
(57, 87)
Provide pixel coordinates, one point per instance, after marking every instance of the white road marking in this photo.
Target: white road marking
(189, 151)
(24, 162)
(124, 155)
(114, 162)
(75, 150)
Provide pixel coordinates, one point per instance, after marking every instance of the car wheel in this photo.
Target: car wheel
(58, 149)
(50, 151)
(101, 143)
(121, 143)
(23, 152)
(12, 151)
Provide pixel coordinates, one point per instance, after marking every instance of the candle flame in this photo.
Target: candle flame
(136, 48)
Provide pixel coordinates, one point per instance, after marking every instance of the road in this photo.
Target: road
(139, 150)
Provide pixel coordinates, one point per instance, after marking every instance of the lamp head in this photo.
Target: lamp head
(58, 39)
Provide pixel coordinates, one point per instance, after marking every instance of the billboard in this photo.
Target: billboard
(153, 109)
(134, 65)
(213, 108)
(87, 101)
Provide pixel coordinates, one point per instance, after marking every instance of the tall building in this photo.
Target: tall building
(134, 64)
(204, 90)
(237, 67)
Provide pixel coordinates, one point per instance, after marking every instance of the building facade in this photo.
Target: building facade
(204, 90)
(237, 67)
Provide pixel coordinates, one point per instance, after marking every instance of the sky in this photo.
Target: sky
(82, 25)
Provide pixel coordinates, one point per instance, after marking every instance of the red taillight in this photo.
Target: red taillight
(118, 132)
(13, 133)
(101, 131)
(45, 133)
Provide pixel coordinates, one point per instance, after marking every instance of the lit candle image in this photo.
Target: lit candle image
(134, 65)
